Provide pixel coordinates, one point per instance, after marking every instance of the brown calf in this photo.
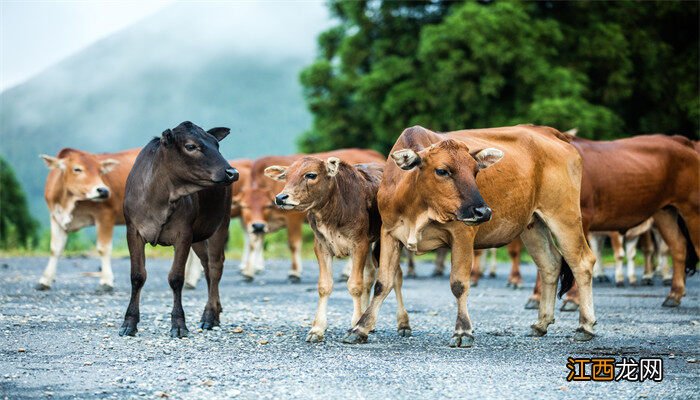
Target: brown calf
(439, 192)
(260, 216)
(341, 202)
(84, 189)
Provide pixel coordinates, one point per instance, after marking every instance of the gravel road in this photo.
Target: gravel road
(64, 343)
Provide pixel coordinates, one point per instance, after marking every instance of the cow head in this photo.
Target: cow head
(308, 182)
(193, 158)
(446, 179)
(256, 203)
(81, 174)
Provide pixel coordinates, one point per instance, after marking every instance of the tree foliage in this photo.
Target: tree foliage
(611, 69)
(17, 227)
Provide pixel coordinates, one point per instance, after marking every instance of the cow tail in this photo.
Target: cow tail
(566, 278)
(691, 256)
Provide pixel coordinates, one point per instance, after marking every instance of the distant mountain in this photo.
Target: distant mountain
(214, 64)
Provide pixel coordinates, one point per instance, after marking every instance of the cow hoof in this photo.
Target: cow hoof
(343, 278)
(248, 279)
(474, 283)
(294, 279)
(190, 286)
(671, 302)
(463, 340)
(647, 282)
(128, 330)
(411, 275)
(536, 331)
(313, 337)
(208, 325)
(532, 304)
(405, 332)
(601, 279)
(667, 282)
(517, 285)
(355, 337)
(438, 274)
(633, 284)
(569, 306)
(620, 283)
(179, 332)
(492, 274)
(42, 287)
(583, 335)
(104, 288)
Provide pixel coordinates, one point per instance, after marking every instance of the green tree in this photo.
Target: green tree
(17, 227)
(610, 69)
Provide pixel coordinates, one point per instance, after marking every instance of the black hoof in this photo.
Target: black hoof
(667, 282)
(314, 338)
(474, 283)
(190, 286)
(492, 274)
(463, 340)
(532, 304)
(582, 335)
(294, 279)
(209, 320)
(536, 331)
(42, 287)
(104, 288)
(516, 285)
(569, 306)
(405, 332)
(179, 332)
(671, 302)
(343, 278)
(634, 284)
(411, 275)
(438, 274)
(128, 330)
(247, 279)
(355, 337)
(601, 279)
(647, 282)
(620, 284)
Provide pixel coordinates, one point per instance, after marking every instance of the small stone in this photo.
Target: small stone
(263, 341)
(159, 393)
(237, 329)
(692, 360)
(200, 330)
(109, 324)
(216, 328)
(22, 350)
(266, 299)
(671, 356)
(88, 363)
(278, 333)
(208, 382)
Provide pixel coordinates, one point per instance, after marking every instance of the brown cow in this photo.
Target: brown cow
(628, 181)
(260, 216)
(341, 202)
(84, 189)
(193, 269)
(431, 197)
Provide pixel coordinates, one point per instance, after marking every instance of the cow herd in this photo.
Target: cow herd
(553, 193)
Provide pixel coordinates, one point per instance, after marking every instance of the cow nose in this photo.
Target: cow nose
(102, 192)
(280, 198)
(482, 213)
(258, 227)
(232, 174)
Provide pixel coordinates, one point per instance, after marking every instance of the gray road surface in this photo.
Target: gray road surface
(71, 348)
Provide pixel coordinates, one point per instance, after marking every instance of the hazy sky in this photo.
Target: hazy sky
(35, 34)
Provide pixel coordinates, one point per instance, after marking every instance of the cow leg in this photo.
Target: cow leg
(538, 242)
(356, 281)
(193, 270)
(667, 223)
(368, 278)
(475, 273)
(533, 303)
(176, 279)
(411, 261)
(294, 241)
(105, 230)
(514, 251)
(216, 245)
(440, 255)
(138, 278)
(255, 250)
(246, 250)
(616, 244)
(574, 248)
(390, 254)
(648, 248)
(325, 287)
(663, 267)
(492, 255)
(59, 237)
(631, 252)
(463, 257)
(403, 326)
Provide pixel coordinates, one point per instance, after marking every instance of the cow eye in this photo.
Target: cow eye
(310, 175)
(190, 147)
(442, 172)
(77, 170)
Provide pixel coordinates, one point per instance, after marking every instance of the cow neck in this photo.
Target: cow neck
(341, 205)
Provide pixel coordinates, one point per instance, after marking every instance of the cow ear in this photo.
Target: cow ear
(108, 165)
(166, 138)
(406, 159)
(53, 162)
(219, 133)
(276, 172)
(332, 165)
(487, 157)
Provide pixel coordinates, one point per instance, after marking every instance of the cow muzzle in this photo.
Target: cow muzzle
(475, 215)
(258, 228)
(99, 193)
(284, 202)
